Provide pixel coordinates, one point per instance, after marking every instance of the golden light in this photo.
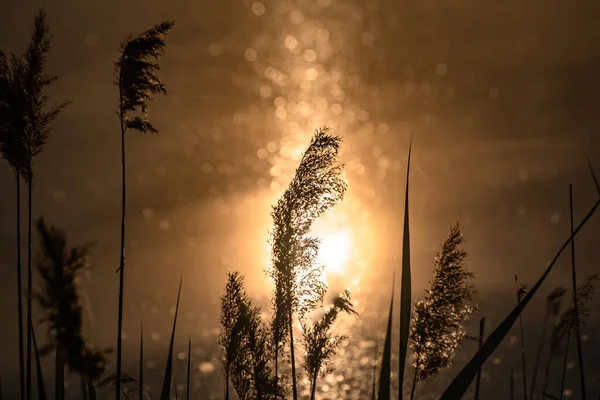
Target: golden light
(335, 251)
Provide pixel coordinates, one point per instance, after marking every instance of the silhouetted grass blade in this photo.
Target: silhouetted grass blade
(169, 369)
(521, 289)
(386, 361)
(593, 174)
(405, 290)
(478, 381)
(40, 376)
(461, 383)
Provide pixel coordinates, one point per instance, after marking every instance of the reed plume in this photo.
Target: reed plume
(59, 299)
(315, 188)
(438, 321)
(138, 84)
(320, 343)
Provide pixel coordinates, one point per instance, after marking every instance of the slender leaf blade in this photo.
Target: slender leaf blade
(405, 294)
(478, 380)
(461, 383)
(386, 360)
(591, 168)
(169, 368)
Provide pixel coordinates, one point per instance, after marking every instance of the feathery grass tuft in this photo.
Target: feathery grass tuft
(244, 340)
(232, 325)
(571, 321)
(39, 116)
(315, 188)
(320, 343)
(553, 302)
(138, 82)
(59, 299)
(438, 326)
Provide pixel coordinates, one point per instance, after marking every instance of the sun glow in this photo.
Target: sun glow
(335, 251)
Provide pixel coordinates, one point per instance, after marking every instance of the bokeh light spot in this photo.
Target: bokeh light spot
(258, 8)
(215, 49)
(310, 55)
(250, 54)
(441, 69)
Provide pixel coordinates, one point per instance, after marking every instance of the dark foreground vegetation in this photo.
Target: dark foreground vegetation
(262, 359)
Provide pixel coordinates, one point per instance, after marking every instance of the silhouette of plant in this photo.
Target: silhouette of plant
(59, 300)
(315, 188)
(438, 321)
(245, 343)
(259, 350)
(39, 116)
(26, 118)
(233, 319)
(12, 148)
(166, 387)
(553, 303)
(320, 344)
(138, 84)
(568, 322)
(130, 385)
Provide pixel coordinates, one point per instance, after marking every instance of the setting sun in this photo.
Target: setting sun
(335, 250)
